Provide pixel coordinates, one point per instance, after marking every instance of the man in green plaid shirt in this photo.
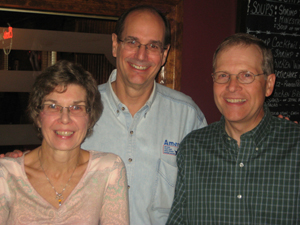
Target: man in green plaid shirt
(244, 169)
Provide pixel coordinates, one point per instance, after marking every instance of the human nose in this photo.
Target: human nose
(65, 115)
(142, 52)
(233, 84)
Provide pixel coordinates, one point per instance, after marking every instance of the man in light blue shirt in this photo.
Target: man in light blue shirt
(147, 142)
(144, 122)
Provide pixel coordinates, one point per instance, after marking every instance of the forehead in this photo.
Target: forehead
(71, 91)
(240, 56)
(144, 25)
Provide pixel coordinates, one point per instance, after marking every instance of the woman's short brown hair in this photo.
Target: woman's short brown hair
(64, 73)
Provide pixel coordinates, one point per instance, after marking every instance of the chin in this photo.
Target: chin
(234, 117)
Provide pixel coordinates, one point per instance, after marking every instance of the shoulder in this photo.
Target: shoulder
(102, 87)
(175, 96)
(3, 167)
(205, 132)
(199, 142)
(181, 103)
(8, 161)
(201, 138)
(107, 158)
(9, 165)
(285, 127)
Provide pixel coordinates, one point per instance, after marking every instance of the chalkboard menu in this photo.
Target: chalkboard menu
(277, 22)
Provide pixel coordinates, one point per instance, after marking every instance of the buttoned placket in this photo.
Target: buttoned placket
(131, 125)
(246, 152)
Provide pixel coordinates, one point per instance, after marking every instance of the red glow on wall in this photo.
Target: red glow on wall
(8, 34)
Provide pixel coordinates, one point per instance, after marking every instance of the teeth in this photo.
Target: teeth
(139, 67)
(64, 133)
(235, 100)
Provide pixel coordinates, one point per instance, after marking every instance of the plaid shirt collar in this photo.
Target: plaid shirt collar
(257, 134)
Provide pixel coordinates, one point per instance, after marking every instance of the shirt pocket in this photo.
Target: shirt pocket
(164, 187)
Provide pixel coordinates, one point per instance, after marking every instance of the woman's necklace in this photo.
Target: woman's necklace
(59, 196)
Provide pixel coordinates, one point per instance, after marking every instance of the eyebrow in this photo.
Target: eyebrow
(55, 102)
(136, 39)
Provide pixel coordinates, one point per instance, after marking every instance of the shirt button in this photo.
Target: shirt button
(123, 108)
(256, 149)
(228, 139)
(239, 196)
(128, 186)
(131, 132)
(130, 159)
(118, 111)
(242, 165)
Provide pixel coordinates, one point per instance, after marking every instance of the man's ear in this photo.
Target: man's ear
(270, 84)
(165, 54)
(114, 39)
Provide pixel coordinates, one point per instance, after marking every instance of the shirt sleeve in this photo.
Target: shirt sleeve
(115, 208)
(200, 119)
(4, 195)
(177, 214)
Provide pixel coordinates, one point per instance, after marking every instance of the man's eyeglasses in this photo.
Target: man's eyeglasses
(74, 110)
(154, 48)
(244, 77)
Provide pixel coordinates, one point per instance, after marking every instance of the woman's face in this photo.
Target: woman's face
(63, 130)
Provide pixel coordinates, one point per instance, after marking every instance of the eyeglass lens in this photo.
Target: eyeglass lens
(54, 109)
(244, 77)
(134, 45)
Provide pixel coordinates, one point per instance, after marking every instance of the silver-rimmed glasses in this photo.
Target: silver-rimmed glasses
(153, 48)
(54, 109)
(244, 77)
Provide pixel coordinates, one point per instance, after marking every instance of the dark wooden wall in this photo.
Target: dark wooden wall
(111, 9)
(22, 136)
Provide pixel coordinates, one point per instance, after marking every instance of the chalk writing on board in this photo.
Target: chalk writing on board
(277, 23)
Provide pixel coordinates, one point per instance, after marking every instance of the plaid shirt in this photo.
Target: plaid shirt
(256, 183)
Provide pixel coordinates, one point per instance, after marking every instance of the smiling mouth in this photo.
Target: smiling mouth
(139, 67)
(235, 100)
(64, 133)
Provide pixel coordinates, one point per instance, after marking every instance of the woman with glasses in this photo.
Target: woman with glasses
(59, 182)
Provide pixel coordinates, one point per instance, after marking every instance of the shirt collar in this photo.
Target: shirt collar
(117, 104)
(258, 133)
(262, 129)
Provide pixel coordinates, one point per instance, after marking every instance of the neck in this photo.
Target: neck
(234, 132)
(235, 129)
(58, 161)
(133, 98)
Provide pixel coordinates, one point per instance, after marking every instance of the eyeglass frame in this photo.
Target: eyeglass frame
(237, 76)
(163, 48)
(59, 112)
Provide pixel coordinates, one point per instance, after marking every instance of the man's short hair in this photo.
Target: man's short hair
(243, 39)
(121, 21)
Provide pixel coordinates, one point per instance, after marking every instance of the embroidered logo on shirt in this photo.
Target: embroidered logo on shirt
(170, 148)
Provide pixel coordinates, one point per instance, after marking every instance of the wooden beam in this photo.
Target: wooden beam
(103, 7)
(17, 81)
(61, 41)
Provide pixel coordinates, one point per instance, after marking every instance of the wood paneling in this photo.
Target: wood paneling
(173, 9)
(170, 75)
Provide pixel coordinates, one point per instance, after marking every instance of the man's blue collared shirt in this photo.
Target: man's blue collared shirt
(148, 144)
